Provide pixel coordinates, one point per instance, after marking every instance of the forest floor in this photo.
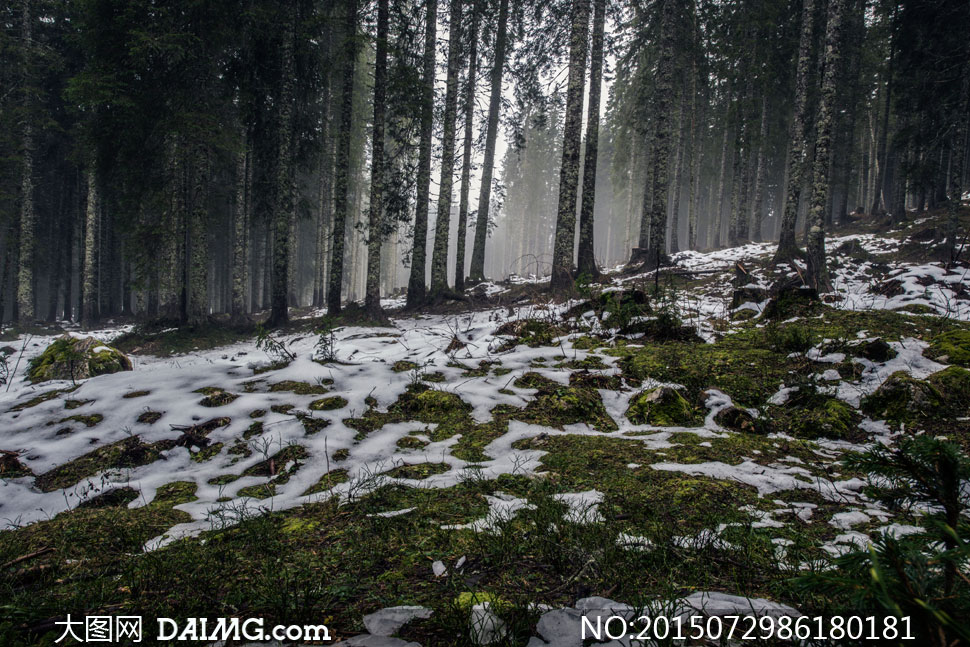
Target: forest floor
(655, 442)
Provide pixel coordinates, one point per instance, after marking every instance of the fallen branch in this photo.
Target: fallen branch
(28, 556)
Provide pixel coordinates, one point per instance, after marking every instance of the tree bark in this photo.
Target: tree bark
(283, 209)
(696, 123)
(717, 212)
(787, 247)
(375, 224)
(678, 174)
(25, 269)
(89, 311)
(818, 270)
(562, 256)
(661, 143)
(419, 250)
(343, 161)
(466, 162)
(882, 151)
(477, 270)
(439, 254)
(760, 171)
(197, 249)
(586, 262)
(240, 227)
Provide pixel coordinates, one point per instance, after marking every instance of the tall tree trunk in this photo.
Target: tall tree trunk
(565, 240)
(419, 251)
(240, 227)
(283, 216)
(325, 188)
(586, 262)
(696, 123)
(661, 143)
(25, 269)
(466, 162)
(343, 161)
(679, 154)
(197, 249)
(787, 247)
(89, 293)
(717, 211)
(439, 253)
(760, 172)
(818, 271)
(879, 200)
(477, 270)
(375, 221)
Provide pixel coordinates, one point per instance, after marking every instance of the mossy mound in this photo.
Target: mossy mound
(815, 416)
(556, 405)
(423, 403)
(661, 407)
(903, 399)
(329, 404)
(954, 345)
(531, 332)
(73, 358)
(417, 471)
(953, 385)
(300, 388)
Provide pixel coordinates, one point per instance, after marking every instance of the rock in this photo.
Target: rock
(953, 385)
(662, 407)
(387, 622)
(74, 358)
(737, 419)
(877, 351)
(954, 345)
(902, 398)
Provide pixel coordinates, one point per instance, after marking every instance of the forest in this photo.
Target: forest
(479, 322)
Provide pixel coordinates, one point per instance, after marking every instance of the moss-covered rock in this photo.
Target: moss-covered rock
(953, 385)
(903, 399)
(662, 407)
(817, 416)
(329, 404)
(954, 346)
(74, 358)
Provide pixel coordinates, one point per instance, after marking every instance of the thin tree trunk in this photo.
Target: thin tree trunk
(565, 240)
(679, 154)
(375, 224)
(240, 223)
(586, 262)
(25, 269)
(197, 250)
(343, 161)
(787, 247)
(477, 270)
(439, 253)
(717, 223)
(818, 270)
(419, 251)
(467, 154)
(89, 314)
(879, 196)
(283, 216)
(760, 172)
(695, 161)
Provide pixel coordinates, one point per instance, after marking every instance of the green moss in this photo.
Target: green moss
(662, 407)
(300, 388)
(403, 366)
(531, 332)
(411, 442)
(313, 425)
(76, 404)
(260, 491)
(327, 481)
(556, 405)
(127, 453)
(91, 420)
(223, 479)
(149, 417)
(135, 394)
(206, 453)
(40, 399)
(282, 408)
(215, 396)
(954, 344)
(953, 385)
(341, 454)
(273, 465)
(814, 416)
(417, 471)
(254, 429)
(329, 404)
(903, 399)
